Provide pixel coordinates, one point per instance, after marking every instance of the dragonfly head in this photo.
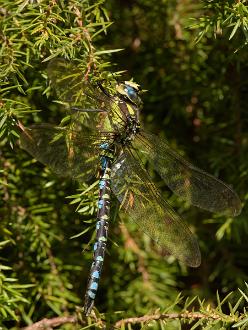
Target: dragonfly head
(129, 91)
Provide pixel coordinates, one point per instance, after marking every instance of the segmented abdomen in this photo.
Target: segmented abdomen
(101, 232)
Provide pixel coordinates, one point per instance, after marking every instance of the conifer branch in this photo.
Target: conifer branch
(52, 323)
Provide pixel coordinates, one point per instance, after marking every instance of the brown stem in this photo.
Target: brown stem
(57, 321)
(155, 317)
(51, 323)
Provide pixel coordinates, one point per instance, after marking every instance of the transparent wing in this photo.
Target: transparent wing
(70, 153)
(81, 95)
(141, 200)
(196, 186)
(70, 85)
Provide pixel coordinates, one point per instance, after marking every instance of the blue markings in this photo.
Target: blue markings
(100, 203)
(99, 223)
(131, 92)
(94, 286)
(102, 184)
(104, 146)
(96, 274)
(103, 162)
(91, 294)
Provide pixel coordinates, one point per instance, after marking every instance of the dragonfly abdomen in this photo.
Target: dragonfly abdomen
(101, 227)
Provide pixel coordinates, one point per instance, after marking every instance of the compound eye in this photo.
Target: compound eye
(129, 91)
(132, 94)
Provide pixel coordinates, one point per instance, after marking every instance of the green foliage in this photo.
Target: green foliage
(224, 17)
(191, 57)
(11, 292)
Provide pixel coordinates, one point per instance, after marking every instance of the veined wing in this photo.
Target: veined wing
(67, 153)
(81, 95)
(141, 200)
(194, 185)
(69, 83)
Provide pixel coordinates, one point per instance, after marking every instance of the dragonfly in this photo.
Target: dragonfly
(104, 137)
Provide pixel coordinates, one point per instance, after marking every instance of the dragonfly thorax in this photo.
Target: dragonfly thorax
(126, 121)
(127, 135)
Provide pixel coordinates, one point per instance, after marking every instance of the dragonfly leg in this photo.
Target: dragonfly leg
(101, 234)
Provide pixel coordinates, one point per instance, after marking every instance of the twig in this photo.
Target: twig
(155, 317)
(51, 323)
(194, 316)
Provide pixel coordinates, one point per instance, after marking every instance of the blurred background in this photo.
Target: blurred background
(191, 57)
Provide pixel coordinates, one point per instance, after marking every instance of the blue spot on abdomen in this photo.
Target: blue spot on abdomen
(91, 294)
(102, 184)
(96, 274)
(94, 286)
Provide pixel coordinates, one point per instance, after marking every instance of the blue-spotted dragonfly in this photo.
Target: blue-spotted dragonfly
(105, 134)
